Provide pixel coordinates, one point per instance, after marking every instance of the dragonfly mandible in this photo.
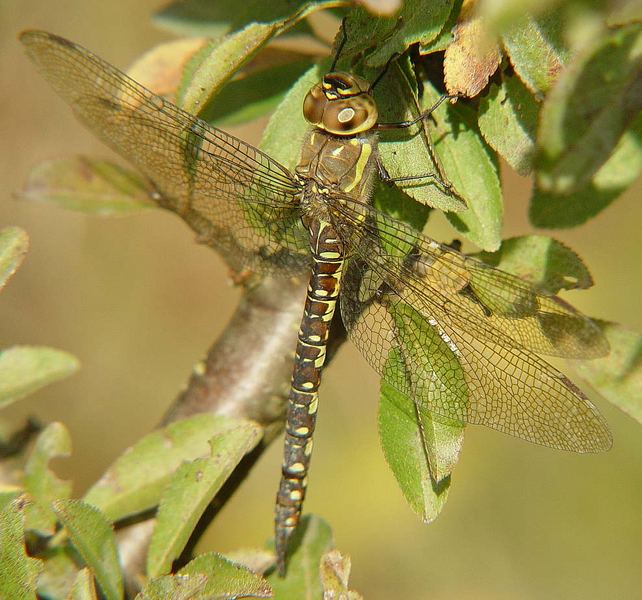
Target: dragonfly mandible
(457, 336)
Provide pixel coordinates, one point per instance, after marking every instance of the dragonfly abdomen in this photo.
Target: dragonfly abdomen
(320, 304)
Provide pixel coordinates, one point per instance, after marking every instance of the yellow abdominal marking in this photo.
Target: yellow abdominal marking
(296, 468)
(302, 430)
(308, 447)
(366, 151)
(312, 408)
(296, 495)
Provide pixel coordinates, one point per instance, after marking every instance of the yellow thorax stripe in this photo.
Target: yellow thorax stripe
(366, 151)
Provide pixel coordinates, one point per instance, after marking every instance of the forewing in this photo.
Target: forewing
(460, 335)
(234, 196)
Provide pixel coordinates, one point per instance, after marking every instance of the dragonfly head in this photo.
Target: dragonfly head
(341, 104)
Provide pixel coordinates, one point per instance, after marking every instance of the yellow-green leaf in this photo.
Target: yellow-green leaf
(618, 376)
(134, 482)
(175, 587)
(508, 121)
(335, 572)
(555, 211)
(471, 167)
(547, 264)
(536, 49)
(41, 483)
(83, 588)
(216, 64)
(25, 369)
(88, 185)
(18, 572)
(417, 22)
(192, 488)
(60, 571)
(14, 243)
(93, 537)
(214, 19)
(585, 114)
(421, 450)
(311, 540)
(409, 152)
(226, 579)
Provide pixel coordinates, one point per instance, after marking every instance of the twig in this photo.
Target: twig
(246, 374)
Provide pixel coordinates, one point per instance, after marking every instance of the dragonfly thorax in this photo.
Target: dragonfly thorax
(341, 104)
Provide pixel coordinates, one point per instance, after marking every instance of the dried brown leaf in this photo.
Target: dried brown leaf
(473, 55)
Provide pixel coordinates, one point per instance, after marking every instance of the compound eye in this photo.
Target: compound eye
(350, 116)
(314, 105)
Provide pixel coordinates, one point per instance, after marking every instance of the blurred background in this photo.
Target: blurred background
(138, 302)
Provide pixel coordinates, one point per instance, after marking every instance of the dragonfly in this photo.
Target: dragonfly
(460, 338)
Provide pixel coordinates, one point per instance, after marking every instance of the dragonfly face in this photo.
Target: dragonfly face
(341, 104)
(458, 337)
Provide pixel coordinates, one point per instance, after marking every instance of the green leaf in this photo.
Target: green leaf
(392, 201)
(226, 579)
(588, 110)
(25, 369)
(60, 571)
(311, 540)
(286, 129)
(83, 588)
(14, 243)
(508, 121)
(135, 482)
(254, 95)
(618, 376)
(41, 483)
(18, 572)
(555, 211)
(501, 14)
(624, 13)
(174, 588)
(417, 22)
(445, 37)
(212, 67)
(88, 185)
(536, 50)
(335, 572)
(547, 264)
(471, 167)
(93, 537)
(407, 153)
(420, 450)
(214, 19)
(192, 488)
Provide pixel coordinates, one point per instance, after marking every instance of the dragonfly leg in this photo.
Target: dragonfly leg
(388, 180)
(321, 300)
(422, 117)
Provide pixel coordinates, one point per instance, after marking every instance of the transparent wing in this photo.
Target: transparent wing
(458, 336)
(238, 199)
